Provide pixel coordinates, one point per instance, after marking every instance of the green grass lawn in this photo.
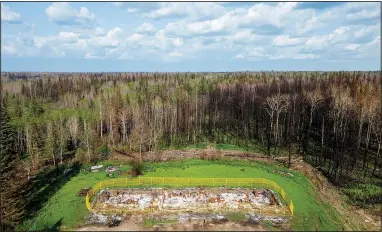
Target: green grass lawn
(64, 210)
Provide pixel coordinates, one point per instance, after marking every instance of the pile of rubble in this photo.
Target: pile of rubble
(110, 220)
(96, 168)
(194, 199)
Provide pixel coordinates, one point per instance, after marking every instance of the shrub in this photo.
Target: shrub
(104, 150)
(364, 195)
(81, 155)
(136, 167)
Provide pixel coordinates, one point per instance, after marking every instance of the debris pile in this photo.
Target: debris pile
(83, 192)
(110, 220)
(111, 169)
(187, 199)
(97, 219)
(255, 219)
(96, 168)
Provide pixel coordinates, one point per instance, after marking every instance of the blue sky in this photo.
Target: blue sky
(190, 36)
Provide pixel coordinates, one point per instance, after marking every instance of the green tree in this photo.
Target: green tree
(10, 198)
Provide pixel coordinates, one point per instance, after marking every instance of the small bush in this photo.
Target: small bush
(81, 155)
(364, 195)
(149, 222)
(104, 151)
(136, 167)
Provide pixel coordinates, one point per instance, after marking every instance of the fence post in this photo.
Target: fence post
(291, 207)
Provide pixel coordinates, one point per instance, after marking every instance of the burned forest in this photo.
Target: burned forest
(331, 119)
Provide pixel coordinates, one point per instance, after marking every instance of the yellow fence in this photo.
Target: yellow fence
(187, 182)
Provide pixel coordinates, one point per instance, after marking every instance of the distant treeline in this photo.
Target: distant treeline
(332, 118)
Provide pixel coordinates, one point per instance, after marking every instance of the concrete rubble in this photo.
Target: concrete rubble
(187, 199)
(255, 219)
(99, 219)
(111, 169)
(96, 168)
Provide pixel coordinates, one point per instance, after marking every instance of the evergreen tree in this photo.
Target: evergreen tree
(10, 198)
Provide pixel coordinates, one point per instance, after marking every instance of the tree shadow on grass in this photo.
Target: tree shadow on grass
(55, 227)
(44, 186)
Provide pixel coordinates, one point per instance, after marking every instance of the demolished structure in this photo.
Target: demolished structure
(135, 200)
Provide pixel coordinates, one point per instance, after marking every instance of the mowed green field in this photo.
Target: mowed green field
(65, 211)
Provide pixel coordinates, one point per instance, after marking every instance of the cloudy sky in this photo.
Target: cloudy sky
(190, 36)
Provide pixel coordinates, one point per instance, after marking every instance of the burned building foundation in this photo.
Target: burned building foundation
(196, 200)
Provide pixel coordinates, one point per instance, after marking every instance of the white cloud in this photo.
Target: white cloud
(361, 5)
(294, 57)
(258, 15)
(111, 39)
(132, 10)
(61, 38)
(256, 52)
(137, 7)
(311, 23)
(7, 15)
(262, 31)
(62, 13)
(175, 54)
(93, 57)
(124, 56)
(146, 28)
(285, 40)
(339, 35)
(367, 30)
(370, 49)
(9, 49)
(99, 31)
(194, 10)
(276, 15)
(239, 56)
(351, 47)
(364, 14)
(135, 38)
(243, 37)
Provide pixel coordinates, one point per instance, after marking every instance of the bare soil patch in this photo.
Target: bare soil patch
(136, 223)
